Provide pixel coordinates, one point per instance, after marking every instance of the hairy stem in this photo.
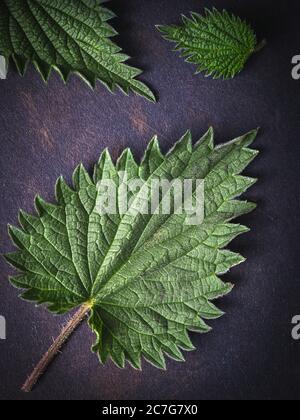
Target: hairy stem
(48, 357)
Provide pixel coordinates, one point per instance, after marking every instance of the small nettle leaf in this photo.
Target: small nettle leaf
(219, 43)
(146, 279)
(70, 37)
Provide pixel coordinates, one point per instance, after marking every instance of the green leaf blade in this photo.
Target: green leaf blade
(149, 279)
(70, 37)
(220, 44)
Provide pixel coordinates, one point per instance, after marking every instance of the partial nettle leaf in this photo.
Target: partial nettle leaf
(146, 280)
(70, 36)
(219, 43)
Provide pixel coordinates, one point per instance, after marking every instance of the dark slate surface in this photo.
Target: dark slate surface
(47, 131)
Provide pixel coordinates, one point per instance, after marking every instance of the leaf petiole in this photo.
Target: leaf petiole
(49, 356)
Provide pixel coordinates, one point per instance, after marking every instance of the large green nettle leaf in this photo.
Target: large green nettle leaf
(68, 36)
(219, 43)
(145, 279)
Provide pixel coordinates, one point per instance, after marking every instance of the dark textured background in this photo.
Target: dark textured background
(47, 131)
